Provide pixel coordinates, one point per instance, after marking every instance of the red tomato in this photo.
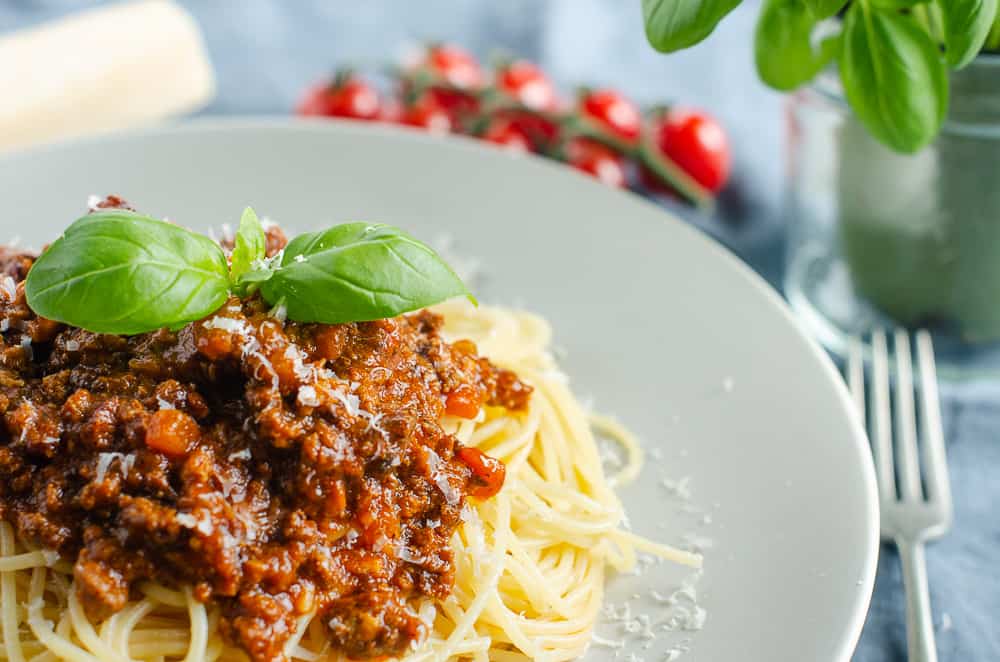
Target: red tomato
(456, 103)
(528, 85)
(350, 97)
(428, 114)
(613, 113)
(171, 432)
(541, 131)
(454, 65)
(596, 159)
(508, 134)
(696, 143)
(488, 473)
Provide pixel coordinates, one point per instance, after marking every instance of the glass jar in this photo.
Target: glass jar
(878, 238)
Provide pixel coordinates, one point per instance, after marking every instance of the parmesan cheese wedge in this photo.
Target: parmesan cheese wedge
(108, 68)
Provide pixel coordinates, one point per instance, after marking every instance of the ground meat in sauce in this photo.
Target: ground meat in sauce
(278, 468)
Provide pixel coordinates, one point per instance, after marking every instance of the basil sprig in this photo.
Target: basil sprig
(249, 250)
(893, 55)
(357, 272)
(122, 273)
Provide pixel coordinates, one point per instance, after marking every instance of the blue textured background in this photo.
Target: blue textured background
(266, 51)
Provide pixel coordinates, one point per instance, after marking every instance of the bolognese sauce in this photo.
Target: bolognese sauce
(278, 469)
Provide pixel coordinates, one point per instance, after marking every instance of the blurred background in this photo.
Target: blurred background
(266, 54)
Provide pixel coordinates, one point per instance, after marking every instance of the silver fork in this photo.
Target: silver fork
(913, 510)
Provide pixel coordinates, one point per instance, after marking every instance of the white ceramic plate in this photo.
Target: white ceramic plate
(659, 325)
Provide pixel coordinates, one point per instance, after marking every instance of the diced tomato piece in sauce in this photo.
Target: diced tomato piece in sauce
(463, 402)
(171, 432)
(488, 473)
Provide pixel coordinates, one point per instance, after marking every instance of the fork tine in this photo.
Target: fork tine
(881, 432)
(931, 430)
(856, 374)
(907, 460)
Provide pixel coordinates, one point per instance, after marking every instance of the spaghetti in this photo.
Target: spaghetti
(530, 563)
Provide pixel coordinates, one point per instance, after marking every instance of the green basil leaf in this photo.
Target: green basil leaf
(967, 23)
(825, 8)
(256, 276)
(896, 4)
(122, 273)
(250, 246)
(358, 272)
(894, 77)
(783, 48)
(675, 24)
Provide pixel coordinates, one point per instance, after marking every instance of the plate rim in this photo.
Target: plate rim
(251, 123)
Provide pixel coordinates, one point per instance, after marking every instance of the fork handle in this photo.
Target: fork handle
(919, 624)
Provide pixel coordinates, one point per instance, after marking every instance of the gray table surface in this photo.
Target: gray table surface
(266, 51)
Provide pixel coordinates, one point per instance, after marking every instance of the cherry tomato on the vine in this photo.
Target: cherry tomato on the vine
(612, 113)
(458, 104)
(596, 159)
(347, 96)
(528, 85)
(507, 133)
(541, 130)
(428, 114)
(696, 143)
(454, 65)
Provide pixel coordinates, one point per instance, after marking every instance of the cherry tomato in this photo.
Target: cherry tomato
(526, 83)
(509, 134)
(346, 97)
(541, 130)
(613, 113)
(696, 143)
(596, 159)
(458, 104)
(428, 114)
(455, 65)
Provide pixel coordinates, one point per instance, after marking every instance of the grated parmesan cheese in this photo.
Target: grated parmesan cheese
(104, 460)
(240, 455)
(9, 288)
(51, 556)
(307, 396)
(238, 327)
(441, 480)
(607, 643)
(187, 520)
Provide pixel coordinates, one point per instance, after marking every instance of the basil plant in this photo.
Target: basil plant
(893, 55)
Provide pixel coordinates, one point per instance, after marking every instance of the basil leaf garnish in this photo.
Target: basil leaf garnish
(122, 273)
(675, 24)
(824, 8)
(784, 51)
(249, 248)
(894, 77)
(358, 272)
(967, 23)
